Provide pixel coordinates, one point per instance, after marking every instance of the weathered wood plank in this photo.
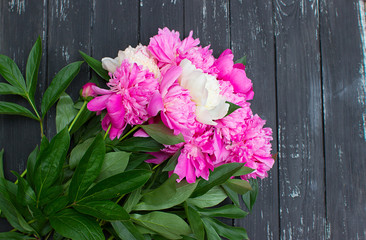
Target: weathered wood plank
(343, 64)
(209, 21)
(115, 27)
(252, 35)
(69, 27)
(301, 161)
(160, 14)
(17, 35)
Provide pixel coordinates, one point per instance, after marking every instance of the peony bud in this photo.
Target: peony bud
(87, 92)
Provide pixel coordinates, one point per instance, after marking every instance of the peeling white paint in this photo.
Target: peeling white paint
(362, 82)
(17, 5)
(295, 192)
(65, 53)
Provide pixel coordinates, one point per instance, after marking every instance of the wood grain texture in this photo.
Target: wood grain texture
(252, 36)
(301, 161)
(116, 30)
(68, 32)
(160, 14)
(343, 65)
(19, 135)
(209, 21)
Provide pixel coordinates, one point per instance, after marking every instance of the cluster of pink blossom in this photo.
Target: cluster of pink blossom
(181, 84)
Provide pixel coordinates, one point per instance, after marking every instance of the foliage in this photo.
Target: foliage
(81, 185)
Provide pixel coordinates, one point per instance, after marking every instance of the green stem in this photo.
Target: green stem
(129, 132)
(48, 235)
(41, 124)
(119, 199)
(106, 133)
(22, 175)
(111, 238)
(36, 112)
(34, 107)
(78, 115)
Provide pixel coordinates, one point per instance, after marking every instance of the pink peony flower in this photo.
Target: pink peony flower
(127, 101)
(169, 50)
(195, 159)
(164, 47)
(234, 73)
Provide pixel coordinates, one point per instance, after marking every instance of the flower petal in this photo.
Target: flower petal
(98, 103)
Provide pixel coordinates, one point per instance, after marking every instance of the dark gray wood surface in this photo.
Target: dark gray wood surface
(305, 58)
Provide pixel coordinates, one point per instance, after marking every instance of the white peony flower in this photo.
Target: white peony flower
(139, 55)
(205, 92)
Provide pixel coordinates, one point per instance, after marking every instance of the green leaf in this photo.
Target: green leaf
(243, 171)
(50, 194)
(227, 211)
(232, 233)
(170, 166)
(78, 152)
(132, 200)
(234, 197)
(34, 59)
(15, 109)
(2, 164)
(106, 210)
(139, 144)
(74, 225)
(250, 197)
(88, 169)
(9, 210)
(31, 162)
(118, 184)
(114, 163)
(213, 197)
(14, 236)
(211, 232)
(58, 85)
(136, 159)
(127, 230)
(65, 112)
(170, 190)
(238, 185)
(166, 224)
(96, 66)
(162, 134)
(242, 60)
(9, 89)
(50, 161)
(217, 177)
(195, 222)
(232, 108)
(11, 73)
(56, 205)
(25, 195)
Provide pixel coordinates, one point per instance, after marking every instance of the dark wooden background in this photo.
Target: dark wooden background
(306, 60)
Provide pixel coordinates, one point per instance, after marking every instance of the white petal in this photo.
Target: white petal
(110, 64)
(204, 116)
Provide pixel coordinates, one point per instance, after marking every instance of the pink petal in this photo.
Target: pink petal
(155, 105)
(239, 65)
(170, 77)
(240, 81)
(101, 91)
(98, 103)
(116, 111)
(140, 133)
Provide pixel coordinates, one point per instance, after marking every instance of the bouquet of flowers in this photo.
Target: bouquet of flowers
(151, 155)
